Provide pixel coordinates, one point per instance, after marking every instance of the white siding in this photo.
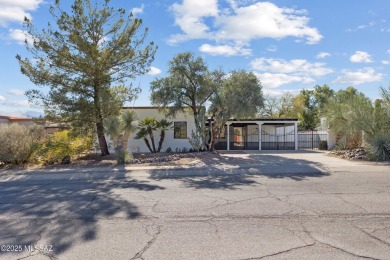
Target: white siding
(169, 141)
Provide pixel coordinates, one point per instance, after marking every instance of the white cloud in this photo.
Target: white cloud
(240, 24)
(138, 10)
(361, 57)
(358, 77)
(2, 99)
(224, 50)
(280, 92)
(385, 62)
(299, 66)
(323, 55)
(272, 48)
(154, 71)
(20, 36)
(16, 92)
(274, 80)
(189, 16)
(16, 10)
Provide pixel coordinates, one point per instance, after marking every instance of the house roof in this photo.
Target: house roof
(16, 119)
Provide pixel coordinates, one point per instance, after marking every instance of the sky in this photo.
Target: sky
(289, 44)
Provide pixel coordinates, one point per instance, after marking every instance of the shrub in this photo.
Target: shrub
(123, 156)
(17, 143)
(61, 144)
(378, 148)
(323, 145)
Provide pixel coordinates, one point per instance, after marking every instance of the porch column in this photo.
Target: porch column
(259, 124)
(228, 136)
(296, 135)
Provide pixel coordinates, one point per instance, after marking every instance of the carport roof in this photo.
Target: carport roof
(267, 119)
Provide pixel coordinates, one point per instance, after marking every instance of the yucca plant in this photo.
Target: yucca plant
(378, 147)
(150, 125)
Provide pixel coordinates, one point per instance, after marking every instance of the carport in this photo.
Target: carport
(260, 134)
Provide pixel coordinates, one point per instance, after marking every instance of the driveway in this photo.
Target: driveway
(298, 205)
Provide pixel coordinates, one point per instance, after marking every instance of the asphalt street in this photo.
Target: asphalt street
(283, 206)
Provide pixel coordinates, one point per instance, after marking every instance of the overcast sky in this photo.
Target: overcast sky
(289, 44)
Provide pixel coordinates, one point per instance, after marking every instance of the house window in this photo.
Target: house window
(180, 130)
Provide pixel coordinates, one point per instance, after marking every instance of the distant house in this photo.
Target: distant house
(18, 120)
(49, 127)
(246, 134)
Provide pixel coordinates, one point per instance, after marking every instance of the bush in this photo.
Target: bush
(61, 144)
(378, 148)
(323, 145)
(17, 143)
(123, 156)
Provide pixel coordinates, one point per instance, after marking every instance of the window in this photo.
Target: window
(180, 130)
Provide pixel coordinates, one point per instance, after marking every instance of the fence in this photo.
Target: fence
(311, 139)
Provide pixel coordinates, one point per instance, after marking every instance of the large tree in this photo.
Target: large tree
(189, 84)
(86, 59)
(240, 97)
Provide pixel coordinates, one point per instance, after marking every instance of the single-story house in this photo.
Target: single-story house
(50, 128)
(18, 120)
(247, 134)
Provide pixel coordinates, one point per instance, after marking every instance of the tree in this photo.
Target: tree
(240, 97)
(86, 60)
(119, 128)
(189, 84)
(146, 129)
(348, 114)
(163, 125)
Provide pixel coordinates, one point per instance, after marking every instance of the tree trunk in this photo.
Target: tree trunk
(162, 137)
(99, 122)
(102, 139)
(148, 145)
(150, 131)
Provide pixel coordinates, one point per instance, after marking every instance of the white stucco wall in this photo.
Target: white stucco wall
(169, 141)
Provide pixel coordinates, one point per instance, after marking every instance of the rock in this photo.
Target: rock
(65, 160)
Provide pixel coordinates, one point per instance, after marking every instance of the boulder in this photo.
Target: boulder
(65, 160)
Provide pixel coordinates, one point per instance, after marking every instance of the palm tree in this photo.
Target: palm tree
(150, 125)
(143, 134)
(163, 125)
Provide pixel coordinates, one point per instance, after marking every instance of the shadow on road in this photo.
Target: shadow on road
(65, 212)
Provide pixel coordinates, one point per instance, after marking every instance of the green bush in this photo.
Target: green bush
(17, 142)
(60, 144)
(378, 148)
(323, 145)
(123, 156)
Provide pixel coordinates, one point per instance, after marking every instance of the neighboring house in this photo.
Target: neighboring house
(18, 120)
(50, 128)
(251, 134)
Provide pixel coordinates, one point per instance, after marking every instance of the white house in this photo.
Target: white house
(250, 134)
(176, 138)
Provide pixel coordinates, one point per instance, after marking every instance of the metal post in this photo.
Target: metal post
(259, 124)
(296, 135)
(228, 136)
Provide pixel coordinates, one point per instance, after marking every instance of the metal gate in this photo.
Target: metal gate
(285, 141)
(311, 139)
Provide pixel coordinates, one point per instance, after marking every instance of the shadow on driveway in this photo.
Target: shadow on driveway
(224, 172)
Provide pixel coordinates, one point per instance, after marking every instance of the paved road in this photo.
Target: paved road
(283, 206)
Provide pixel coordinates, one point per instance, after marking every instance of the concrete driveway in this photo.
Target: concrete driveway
(299, 205)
